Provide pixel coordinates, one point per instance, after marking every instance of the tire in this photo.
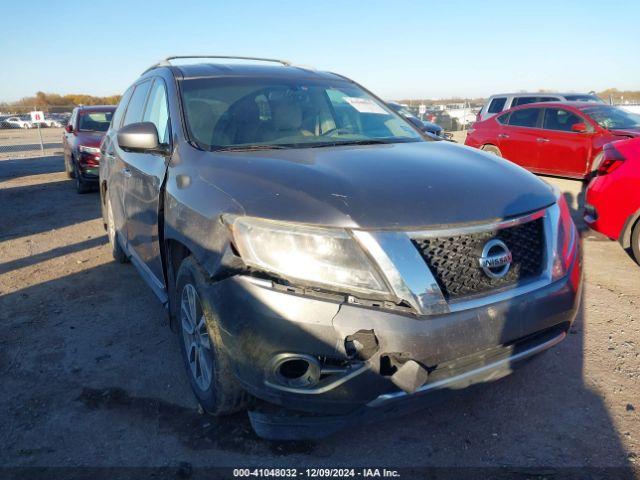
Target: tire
(206, 360)
(492, 149)
(118, 253)
(82, 186)
(635, 242)
(68, 169)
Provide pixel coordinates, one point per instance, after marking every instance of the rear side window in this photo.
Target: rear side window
(527, 117)
(497, 105)
(136, 105)
(559, 119)
(122, 106)
(533, 99)
(583, 98)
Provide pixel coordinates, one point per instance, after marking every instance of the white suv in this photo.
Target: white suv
(499, 103)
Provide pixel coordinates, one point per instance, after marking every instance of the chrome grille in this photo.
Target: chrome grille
(453, 259)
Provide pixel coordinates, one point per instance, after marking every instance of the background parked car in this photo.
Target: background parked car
(554, 138)
(52, 122)
(424, 126)
(18, 122)
(500, 103)
(81, 141)
(442, 118)
(613, 196)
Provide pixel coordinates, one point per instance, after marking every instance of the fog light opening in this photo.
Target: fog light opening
(293, 369)
(296, 370)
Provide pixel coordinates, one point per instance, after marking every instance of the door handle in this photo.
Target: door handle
(542, 140)
(126, 172)
(503, 135)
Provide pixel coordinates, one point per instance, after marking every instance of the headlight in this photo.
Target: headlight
(565, 241)
(91, 150)
(324, 257)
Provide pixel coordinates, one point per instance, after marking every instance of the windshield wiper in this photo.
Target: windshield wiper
(236, 148)
(352, 142)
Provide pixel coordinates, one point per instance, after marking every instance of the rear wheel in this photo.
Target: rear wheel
(492, 149)
(207, 362)
(635, 242)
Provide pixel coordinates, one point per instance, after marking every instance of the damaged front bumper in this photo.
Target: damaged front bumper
(371, 360)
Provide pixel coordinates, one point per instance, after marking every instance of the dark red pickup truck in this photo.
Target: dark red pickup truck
(81, 140)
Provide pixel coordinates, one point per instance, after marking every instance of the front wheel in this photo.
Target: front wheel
(207, 362)
(68, 168)
(116, 250)
(82, 186)
(635, 242)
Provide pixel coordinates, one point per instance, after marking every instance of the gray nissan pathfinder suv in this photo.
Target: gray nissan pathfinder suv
(322, 261)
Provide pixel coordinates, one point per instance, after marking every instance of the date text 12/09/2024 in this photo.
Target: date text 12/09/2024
(316, 472)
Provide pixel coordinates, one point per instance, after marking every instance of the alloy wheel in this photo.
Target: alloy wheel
(111, 226)
(196, 337)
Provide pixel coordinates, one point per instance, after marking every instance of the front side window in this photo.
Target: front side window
(527, 117)
(72, 121)
(157, 111)
(559, 119)
(136, 104)
(96, 121)
(497, 105)
(116, 120)
(503, 119)
(612, 117)
(287, 113)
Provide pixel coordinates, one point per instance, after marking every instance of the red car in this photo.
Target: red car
(554, 138)
(81, 141)
(613, 196)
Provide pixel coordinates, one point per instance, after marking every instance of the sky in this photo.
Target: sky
(399, 49)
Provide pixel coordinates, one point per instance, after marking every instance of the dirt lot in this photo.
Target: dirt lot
(91, 376)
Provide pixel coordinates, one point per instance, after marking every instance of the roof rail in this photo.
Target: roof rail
(167, 61)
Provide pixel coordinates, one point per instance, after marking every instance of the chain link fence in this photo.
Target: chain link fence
(21, 137)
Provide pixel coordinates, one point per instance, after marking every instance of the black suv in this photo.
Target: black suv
(322, 261)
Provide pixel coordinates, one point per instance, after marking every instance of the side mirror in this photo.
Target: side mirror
(579, 128)
(139, 137)
(68, 128)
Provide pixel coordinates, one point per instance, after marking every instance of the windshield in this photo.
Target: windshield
(612, 117)
(583, 98)
(95, 121)
(285, 113)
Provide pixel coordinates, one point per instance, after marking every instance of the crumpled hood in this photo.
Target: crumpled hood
(405, 185)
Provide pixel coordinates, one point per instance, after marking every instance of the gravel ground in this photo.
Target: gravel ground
(91, 375)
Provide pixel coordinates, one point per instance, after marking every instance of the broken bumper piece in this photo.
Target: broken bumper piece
(280, 424)
(320, 363)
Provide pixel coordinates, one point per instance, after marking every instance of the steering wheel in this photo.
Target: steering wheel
(335, 130)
